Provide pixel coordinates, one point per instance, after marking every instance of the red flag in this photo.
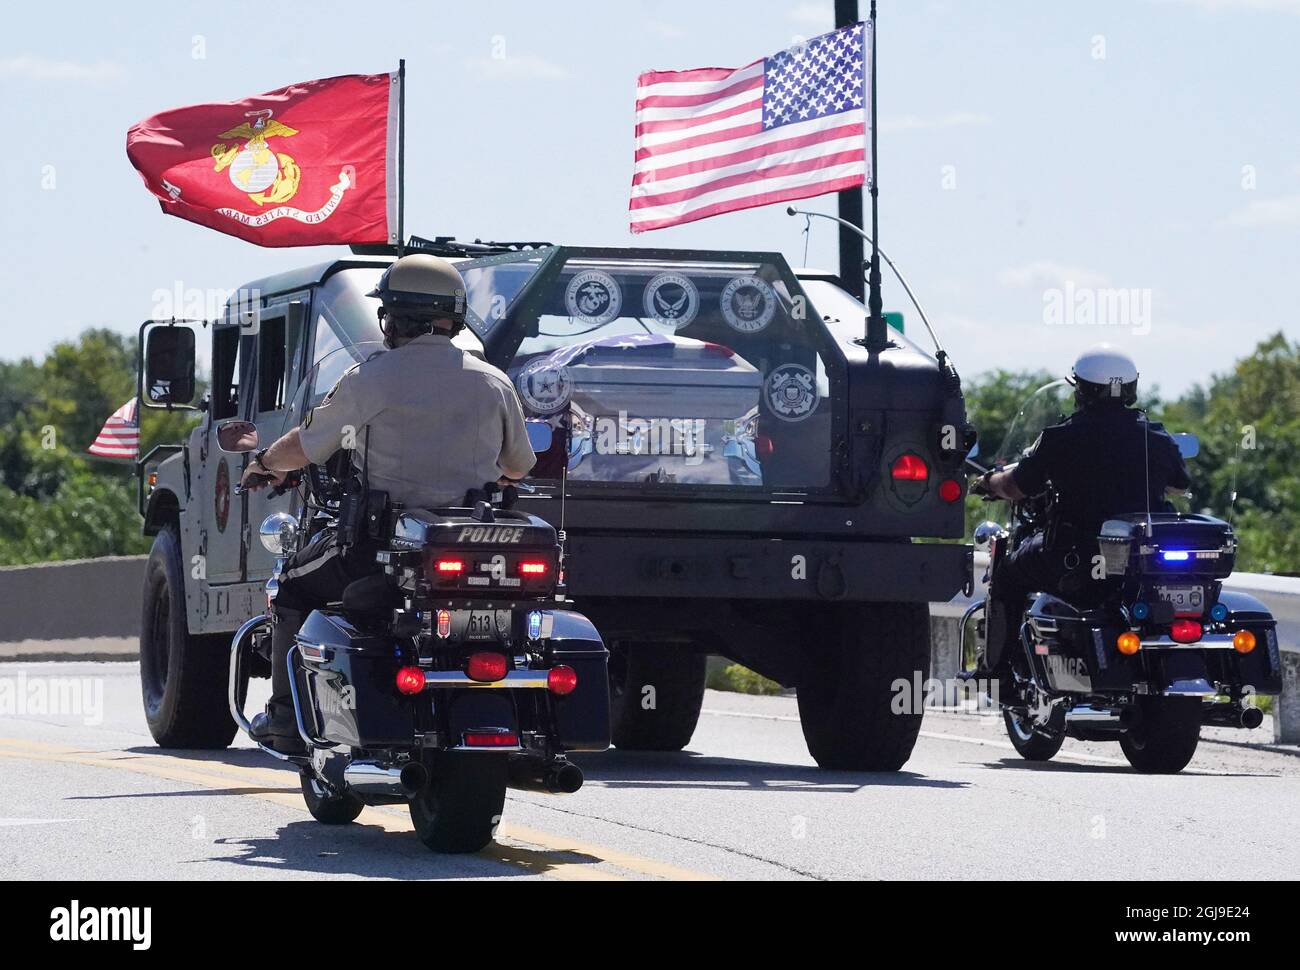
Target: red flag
(307, 165)
(120, 437)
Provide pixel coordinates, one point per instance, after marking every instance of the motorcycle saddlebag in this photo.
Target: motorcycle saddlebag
(582, 717)
(346, 684)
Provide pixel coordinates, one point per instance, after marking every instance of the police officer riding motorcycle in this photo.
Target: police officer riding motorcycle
(1103, 460)
(425, 423)
(1106, 617)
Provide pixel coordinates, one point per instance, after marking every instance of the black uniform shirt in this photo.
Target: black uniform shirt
(1096, 460)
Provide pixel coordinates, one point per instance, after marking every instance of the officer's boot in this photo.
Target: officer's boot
(277, 727)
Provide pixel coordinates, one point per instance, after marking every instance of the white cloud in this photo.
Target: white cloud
(32, 67)
(1045, 274)
(515, 67)
(1283, 211)
(960, 119)
(818, 15)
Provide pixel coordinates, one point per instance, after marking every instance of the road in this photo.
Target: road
(86, 795)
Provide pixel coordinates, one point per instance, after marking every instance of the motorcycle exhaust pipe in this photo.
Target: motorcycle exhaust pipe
(367, 778)
(558, 777)
(1232, 716)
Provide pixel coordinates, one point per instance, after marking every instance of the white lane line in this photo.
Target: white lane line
(9, 822)
(936, 735)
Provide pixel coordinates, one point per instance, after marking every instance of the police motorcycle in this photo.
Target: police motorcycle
(455, 672)
(1147, 654)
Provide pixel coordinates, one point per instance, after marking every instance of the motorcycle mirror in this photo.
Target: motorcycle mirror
(237, 437)
(1189, 446)
(986, 532)
(976, 467)
(540, 436)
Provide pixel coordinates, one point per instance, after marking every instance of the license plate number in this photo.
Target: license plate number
(1185, 599)
(481, 626)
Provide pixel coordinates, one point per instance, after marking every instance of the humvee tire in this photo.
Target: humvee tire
(677, 675)
(183, 678)
(856, 651)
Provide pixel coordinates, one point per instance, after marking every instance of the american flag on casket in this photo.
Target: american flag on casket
(660, 395)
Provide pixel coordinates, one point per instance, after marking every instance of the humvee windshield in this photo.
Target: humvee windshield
(669, 371)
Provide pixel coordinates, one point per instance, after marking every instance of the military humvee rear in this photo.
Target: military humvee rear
(739, 476)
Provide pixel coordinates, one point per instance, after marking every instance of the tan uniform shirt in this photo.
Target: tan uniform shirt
(440, 422)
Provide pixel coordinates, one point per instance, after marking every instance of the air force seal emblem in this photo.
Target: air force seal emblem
(672, 300)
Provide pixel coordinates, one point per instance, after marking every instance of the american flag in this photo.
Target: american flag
(120, 436)
(786, 127)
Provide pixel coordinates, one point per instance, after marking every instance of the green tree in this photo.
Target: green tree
(57, 502)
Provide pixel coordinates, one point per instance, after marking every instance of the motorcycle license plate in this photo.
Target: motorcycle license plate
(481, 625)
(1185, 599)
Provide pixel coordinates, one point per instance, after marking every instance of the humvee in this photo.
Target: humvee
(739, 474)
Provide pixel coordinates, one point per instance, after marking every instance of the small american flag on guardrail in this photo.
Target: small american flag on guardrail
(120, 436)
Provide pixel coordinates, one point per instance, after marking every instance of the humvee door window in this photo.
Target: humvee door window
(225, 372)
(272, 365)
(679, 373)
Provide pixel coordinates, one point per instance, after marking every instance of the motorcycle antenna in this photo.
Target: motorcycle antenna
(564, 493)
(1146, 461)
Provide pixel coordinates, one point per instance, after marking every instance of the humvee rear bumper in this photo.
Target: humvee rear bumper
(735, 567)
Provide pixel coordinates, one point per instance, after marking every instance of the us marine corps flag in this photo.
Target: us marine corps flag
(310, 164)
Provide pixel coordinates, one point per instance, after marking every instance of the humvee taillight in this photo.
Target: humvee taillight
(909, 468)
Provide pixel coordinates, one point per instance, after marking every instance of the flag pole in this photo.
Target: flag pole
(401, 157)
(850, 200)
(877, 334)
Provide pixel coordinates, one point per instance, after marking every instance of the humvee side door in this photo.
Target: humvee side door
(216, 513)
(279, 367)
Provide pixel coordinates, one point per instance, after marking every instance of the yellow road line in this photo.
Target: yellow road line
(526, 848)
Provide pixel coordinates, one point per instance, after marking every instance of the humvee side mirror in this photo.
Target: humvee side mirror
(539, 436)
(169, 366)
(237, 437)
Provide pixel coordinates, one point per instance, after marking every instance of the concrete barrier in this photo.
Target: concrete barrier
(71, 600)
(97, 602)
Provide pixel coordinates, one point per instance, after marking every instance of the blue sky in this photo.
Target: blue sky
(1143, 145)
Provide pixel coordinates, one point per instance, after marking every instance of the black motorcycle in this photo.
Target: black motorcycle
(1143, 655)
(454, 672)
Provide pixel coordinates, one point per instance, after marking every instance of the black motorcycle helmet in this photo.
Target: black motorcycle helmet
(415, 291)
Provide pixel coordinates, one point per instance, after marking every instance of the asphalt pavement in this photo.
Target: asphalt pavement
(85, 794)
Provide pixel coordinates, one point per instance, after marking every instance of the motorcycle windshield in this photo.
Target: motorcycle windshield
(1050, 404)
(332, 364)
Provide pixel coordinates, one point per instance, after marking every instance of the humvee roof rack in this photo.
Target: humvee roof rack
(450, 246)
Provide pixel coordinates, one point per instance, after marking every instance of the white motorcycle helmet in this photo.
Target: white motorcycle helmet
(1104, 373)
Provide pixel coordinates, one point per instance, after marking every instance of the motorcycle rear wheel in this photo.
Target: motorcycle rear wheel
(1030, 744)
(1165, 739)
(326, 808)
(460, 808)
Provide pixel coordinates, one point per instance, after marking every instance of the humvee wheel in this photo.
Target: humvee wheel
(1165, 738)
(655, 694)
(848, 704)
(183, 678)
